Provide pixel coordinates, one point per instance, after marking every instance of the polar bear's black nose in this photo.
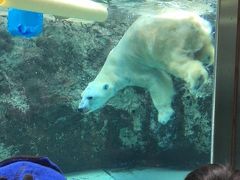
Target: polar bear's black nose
(80, 109)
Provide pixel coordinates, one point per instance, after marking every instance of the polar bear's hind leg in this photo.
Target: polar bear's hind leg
(162, 92)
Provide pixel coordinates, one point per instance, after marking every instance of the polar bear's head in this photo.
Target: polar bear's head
(95, 96)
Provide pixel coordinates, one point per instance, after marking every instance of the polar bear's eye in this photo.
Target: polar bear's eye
(105, 86)
(89, 97)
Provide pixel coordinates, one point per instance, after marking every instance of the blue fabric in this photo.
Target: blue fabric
(17, 170)
(44, 161)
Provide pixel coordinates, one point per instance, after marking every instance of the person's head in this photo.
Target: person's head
(28, 177)
(30, 168)
(235, 175)
(210, 172)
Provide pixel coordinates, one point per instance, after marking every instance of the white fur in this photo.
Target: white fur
(176, 43)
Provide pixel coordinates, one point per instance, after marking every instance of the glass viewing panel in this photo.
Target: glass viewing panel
(151, 104)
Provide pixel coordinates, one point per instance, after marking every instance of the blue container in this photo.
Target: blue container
(24, 23)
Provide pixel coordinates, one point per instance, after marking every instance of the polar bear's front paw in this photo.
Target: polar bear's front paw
(164, 115)
(196, 78)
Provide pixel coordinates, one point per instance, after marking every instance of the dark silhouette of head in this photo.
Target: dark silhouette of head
(235, 175)
(211, 172)
(28, 177)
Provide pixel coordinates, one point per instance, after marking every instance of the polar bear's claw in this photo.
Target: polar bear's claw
(199, 82)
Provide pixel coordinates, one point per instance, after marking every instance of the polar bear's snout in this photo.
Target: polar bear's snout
(83, 105)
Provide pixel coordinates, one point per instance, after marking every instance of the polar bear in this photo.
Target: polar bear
(174, 43)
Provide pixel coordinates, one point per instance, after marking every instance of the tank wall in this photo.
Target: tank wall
(41, 81)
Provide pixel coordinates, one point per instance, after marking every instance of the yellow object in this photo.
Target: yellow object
(83, 9)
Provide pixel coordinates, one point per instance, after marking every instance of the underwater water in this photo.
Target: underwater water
(42, 78)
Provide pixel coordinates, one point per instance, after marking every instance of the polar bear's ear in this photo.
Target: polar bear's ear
(105, 86)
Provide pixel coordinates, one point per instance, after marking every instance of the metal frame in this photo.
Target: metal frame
(226, 84)
(237, 124)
